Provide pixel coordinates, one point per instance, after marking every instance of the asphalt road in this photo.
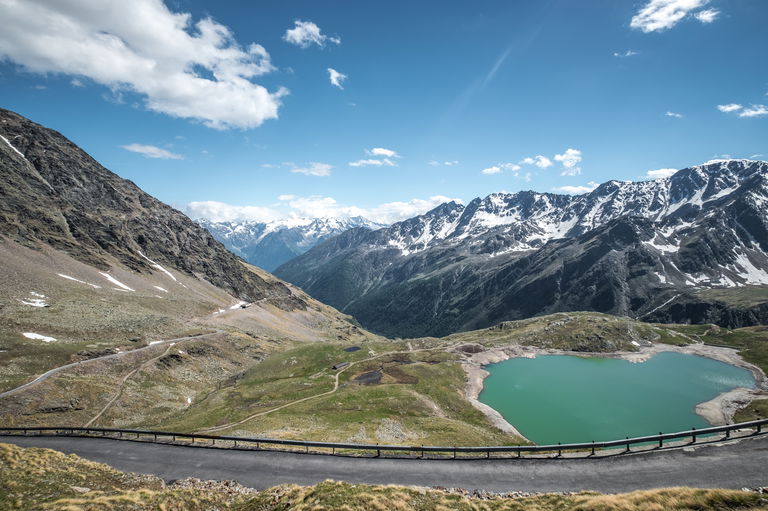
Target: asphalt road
(730, 465)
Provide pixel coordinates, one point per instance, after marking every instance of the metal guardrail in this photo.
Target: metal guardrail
(337, 448)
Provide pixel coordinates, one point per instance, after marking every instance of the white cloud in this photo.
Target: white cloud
(380, 151)
(222, 212)
(625, 54)
(731, 107)
(754, 111)
(76, 82)
(570, 160)
(659, 15)
(660, 173)
(384, 160)
(305, 33)
(540, 161)
(314, 169)
(150, 151)
(314, 207)
(180, 68)
(286, 197)
(674, 114)
(707, 16)
(372, 162)
(499, 167)
(576, 190)
(436, 163)
(336, 77)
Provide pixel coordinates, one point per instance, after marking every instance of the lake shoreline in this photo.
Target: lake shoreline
(717, 411)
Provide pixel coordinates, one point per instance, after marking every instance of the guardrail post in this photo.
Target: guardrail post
(235, 444)
(693, 435)
(559, 451)
(759, 427)
(727, 433)
(489, 455)
(454, 452)
(627, 445)
(155, 437)
(661, 440)
(593, 448)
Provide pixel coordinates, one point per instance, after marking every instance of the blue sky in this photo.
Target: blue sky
(230, 105)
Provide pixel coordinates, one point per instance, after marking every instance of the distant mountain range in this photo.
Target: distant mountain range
(655, 250)
(270, 244)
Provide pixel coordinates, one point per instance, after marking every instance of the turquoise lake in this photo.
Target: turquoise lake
(563, 398)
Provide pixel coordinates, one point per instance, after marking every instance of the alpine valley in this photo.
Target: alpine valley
(691, 248)
(270, 244)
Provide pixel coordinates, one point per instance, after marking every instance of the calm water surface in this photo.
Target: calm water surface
(562, 398)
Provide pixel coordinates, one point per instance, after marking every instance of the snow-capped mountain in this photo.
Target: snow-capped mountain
(270, 244)
(647, 249)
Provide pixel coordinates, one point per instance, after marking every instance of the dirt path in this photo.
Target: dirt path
(56, 370)
(131, 373)
(328, 393)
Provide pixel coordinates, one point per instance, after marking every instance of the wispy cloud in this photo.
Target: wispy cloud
(180, 68)
(514, 168)
(436, 163)
(305, 33)
(570, 160)
(372, 162)
(754, 111)
(707, 16)
(316, 206)
(674, 114)
(730, 107)
(660, 173)
(151, 151)
(495, 169)
(540, 161)
(625, 54)
(222, 212)
(750, 111)
(314, 169)
(384, 158)
(659, 15)
(380, 151)
(576, 190)
(336, 77)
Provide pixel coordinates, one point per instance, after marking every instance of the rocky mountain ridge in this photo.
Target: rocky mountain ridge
(642, 249)
(53, 193)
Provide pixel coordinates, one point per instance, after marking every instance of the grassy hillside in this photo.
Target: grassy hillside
(44, 479)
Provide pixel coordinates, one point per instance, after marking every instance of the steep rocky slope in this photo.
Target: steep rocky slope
(53, 193)
(643, 249)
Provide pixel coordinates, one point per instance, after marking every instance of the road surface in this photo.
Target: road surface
(731, 465)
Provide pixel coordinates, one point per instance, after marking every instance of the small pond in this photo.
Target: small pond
(563, 398)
